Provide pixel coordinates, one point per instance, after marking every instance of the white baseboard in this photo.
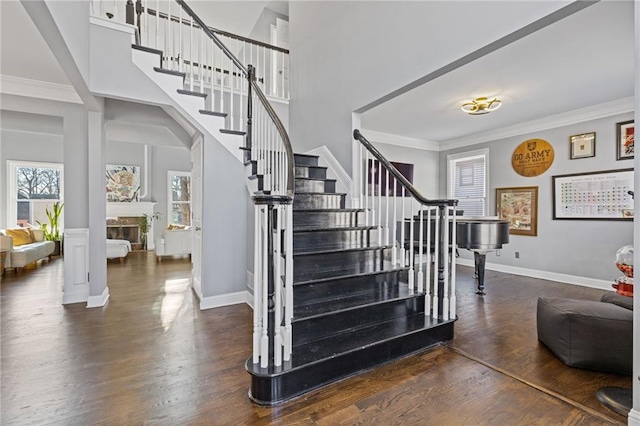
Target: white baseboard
(544, 275)
(223, 300)
(249, 299)
(335, 169)
(98, 301)
(634, 418)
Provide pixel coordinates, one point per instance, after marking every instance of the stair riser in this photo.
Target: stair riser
(271, 390)
(304, 185)
(322, 290)
(311, 172)
(326, 265)
(319, 201)
(303, 219)
(310, 329)
(337, 239)
(305, 160)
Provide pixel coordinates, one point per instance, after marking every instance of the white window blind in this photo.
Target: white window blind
(468, 182)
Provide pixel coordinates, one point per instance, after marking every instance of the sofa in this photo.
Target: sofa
(24, 246)
(589, 334)
(174, 242)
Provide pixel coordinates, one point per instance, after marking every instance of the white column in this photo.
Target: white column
(98, 290)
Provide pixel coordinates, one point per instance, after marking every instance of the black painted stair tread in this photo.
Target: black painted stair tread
(352, 301)
(316, 228)
(192, 93)
(302, 178)
(170, 72)
(146, 49)
(328, 210)
(337, 278)
(337, 251)
(233, 132)
(217, 114)
(351, 341)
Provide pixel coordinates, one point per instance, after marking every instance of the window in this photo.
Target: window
(179, 198)
(467, 181)
(33, 188)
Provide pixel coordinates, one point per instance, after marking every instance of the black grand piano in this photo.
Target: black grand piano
(478, 234)
(481, 235)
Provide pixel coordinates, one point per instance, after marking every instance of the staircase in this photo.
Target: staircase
(353, 309)
(336, 290)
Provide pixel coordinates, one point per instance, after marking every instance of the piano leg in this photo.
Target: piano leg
(480, 260)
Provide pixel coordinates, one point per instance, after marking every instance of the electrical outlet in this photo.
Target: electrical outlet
(517, 255)
(497, 252)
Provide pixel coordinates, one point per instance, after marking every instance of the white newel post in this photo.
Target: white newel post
(76, 266)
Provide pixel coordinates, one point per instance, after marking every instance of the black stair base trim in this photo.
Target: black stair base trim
(170, 72)
(146, 49)
(214, 113)
(275, 388)
(192, 93)
(233, 132)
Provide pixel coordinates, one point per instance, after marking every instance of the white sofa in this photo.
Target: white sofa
(20, 256)
(174, 242)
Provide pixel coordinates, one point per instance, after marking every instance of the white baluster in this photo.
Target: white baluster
(157, 46)
(277, 343)
(170, 46)
(232, 80)
(380, 169)
(427, 301)
(200, 59)
(445, 290)
(257, 285)
(420, 245)
(180, 43)
(452, 298)
(386, 204)
(146, 21)
(394, 261)
(366, 187)
(411, 253)
(191, 55)
(436, 262)
(264, 342)
(212, 76)
(288, 340)
(403, 256)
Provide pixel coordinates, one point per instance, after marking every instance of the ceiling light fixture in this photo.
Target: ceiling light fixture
(481, 106)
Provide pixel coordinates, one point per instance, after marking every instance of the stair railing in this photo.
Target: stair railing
(269, 149)
(383, 194)
(212, 66)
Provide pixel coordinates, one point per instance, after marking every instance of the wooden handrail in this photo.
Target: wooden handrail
(403, 181)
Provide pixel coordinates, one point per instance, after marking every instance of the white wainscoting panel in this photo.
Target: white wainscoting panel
(76, 266)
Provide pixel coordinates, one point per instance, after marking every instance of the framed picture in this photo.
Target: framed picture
(123, 183)
(582, 146)
(593, 195)
(625, 140)
(520, 207)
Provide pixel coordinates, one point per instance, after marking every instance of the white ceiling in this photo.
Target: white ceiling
(583, 60)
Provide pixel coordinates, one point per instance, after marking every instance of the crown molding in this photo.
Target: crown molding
(594, 112)
(19, 86)
(403, 141)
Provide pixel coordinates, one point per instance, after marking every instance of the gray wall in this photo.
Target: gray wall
(575, 247)
(343, 57)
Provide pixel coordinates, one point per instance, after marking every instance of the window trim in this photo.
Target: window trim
(170, 202)
(467, 155)
(12, 186)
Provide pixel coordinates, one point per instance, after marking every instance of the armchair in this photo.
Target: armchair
(174, 242)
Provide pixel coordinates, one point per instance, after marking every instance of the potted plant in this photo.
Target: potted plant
(145, 223)
(52, 229)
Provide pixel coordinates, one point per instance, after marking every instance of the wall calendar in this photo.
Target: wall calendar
(596, 195)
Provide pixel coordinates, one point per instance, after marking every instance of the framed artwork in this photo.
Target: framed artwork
(387, 188)
(123, 183)
(582, 146)
(625, 143)
(594, 195)
(520, 207)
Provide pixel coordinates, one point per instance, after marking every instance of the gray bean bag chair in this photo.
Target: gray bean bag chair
(588, 334)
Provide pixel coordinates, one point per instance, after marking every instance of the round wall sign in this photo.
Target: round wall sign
(532, 157)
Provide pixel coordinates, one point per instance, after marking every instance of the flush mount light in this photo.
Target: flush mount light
(481, 106)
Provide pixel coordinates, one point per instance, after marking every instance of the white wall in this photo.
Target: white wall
(574, 247)
(345, 55)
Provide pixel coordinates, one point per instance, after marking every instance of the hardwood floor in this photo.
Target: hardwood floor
(152, 357)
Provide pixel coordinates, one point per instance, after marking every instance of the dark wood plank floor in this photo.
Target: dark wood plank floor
(152, 357)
